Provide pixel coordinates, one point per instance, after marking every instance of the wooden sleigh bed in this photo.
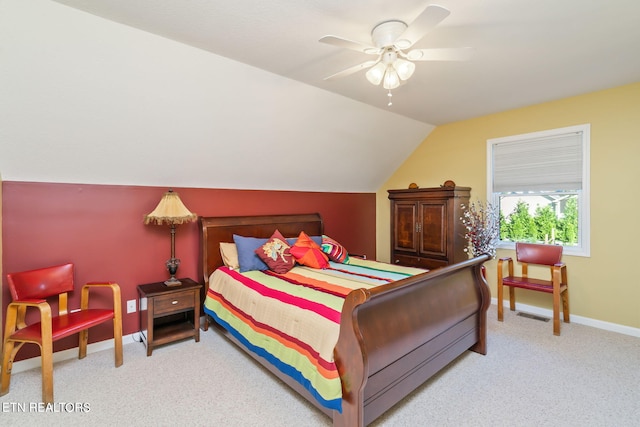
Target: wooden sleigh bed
(436, 316)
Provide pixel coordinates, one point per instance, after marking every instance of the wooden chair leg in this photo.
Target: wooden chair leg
(82, 343)
(117, 325)
(565, 305)
(8, 353)
(565, 294)
(9, 347)
(46, 351)
(500, 302)
(46, 354)
(512, 298)
(556, 312)
(117, 340)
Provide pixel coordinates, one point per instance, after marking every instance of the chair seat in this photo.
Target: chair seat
(528, 283)
(65, 325)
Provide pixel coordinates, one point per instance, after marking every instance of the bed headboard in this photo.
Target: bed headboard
(214, 230)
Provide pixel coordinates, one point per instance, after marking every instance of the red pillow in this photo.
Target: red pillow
(275, 253)
(309, 253)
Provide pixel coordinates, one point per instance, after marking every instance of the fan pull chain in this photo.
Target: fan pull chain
(389, 95)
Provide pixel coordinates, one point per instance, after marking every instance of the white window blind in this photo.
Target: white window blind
(548, 163)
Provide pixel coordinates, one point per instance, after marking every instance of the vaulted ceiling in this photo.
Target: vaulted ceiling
(232, 94)
(523, 52)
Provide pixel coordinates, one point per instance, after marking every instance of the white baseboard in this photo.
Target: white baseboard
(72, 353)
(613, 327)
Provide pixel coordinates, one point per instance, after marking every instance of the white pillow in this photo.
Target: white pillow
(229, 253)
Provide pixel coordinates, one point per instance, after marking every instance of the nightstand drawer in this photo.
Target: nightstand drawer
(173, 303)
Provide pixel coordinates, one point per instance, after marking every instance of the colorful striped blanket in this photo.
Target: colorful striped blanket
(293, 320)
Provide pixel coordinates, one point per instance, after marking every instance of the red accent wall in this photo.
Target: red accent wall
(100, 228)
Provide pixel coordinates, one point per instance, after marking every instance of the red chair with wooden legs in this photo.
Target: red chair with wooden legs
(536, 254)
(30, 289)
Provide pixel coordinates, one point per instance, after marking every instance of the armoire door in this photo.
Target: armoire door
(406, 224)
(433, 223)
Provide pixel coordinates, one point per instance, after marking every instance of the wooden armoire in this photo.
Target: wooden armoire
(426, 230)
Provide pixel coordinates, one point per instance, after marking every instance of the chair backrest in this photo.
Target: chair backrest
(533, 253)
(41, 283)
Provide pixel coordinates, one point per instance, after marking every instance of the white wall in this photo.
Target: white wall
(86, 100)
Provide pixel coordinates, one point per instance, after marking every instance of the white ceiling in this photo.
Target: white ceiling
(524, 52)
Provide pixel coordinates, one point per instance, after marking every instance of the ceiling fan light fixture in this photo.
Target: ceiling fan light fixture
(376, 73)
(391, 79)
(389, 56)
(404, 68)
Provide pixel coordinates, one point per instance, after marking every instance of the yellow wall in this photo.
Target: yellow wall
(604, 286)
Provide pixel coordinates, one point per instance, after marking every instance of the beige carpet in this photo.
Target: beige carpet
(586, 377)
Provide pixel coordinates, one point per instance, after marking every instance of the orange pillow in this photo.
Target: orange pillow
(309, 253)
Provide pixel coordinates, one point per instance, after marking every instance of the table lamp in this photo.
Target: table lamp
(171, 211)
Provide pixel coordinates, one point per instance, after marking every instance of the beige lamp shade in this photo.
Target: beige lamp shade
(170, 210)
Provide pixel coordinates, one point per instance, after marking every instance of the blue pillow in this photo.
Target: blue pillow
(292, 240)
(247, 257)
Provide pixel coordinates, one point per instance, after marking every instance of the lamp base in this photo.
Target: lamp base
(172, 266)
(172, 282)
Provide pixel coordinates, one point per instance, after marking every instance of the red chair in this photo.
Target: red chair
(535, 254)
(31, 289)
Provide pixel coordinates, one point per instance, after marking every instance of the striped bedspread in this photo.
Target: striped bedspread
(293, 320)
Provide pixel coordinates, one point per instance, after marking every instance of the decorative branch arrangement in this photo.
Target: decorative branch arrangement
(482, 222)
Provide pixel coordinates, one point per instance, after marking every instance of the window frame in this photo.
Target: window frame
(584, 216)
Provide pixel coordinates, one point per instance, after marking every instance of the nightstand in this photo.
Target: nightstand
(173, 313)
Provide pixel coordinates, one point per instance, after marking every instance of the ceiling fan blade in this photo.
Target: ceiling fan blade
(352, 70)
(431, 16)
(440, 54)
(349, 44)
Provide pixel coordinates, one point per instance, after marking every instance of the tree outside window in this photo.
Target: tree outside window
(539, 219)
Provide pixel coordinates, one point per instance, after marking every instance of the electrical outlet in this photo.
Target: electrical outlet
(131, 306)
(143, 304)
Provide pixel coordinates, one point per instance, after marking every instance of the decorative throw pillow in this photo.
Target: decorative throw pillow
(292, 240)
(307, 252)
(229, 253)
(334, 250)
(247, 258)
(275, 253)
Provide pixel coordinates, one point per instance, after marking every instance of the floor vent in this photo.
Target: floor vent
(533, 316)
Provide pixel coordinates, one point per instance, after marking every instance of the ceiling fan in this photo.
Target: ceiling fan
(392, 42)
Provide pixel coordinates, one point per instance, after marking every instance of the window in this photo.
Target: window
(540, 182)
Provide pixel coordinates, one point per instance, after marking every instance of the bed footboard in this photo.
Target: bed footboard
(395, 337)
